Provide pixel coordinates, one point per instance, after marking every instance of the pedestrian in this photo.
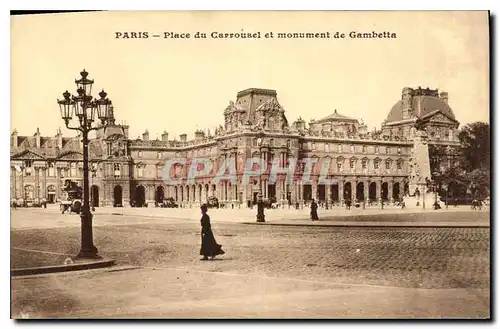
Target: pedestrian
(209, 247)
(314, 210)
(14, 205)
(403, 204)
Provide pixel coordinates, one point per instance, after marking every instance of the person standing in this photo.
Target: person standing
(209, 247)
(314, 210)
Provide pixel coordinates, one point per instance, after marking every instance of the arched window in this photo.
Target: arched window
(117, 170)
(51, 172)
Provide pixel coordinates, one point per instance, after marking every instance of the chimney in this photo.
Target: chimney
(125, 130)
(199, 135)
(37, 138)
(59, 138)
(164, 136)
(13, 139)
(183, 138)
(444, 96)
(145, 135)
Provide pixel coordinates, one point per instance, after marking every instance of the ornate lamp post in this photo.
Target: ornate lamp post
(260, 203)
(85, 108)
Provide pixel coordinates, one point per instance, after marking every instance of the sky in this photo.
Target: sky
(180, 85)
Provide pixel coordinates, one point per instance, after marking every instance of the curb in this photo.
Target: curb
(63, 268)
(369, 226)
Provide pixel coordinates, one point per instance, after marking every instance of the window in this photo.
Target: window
(364, 149)
(72, 172)
(51, 172)
(254, 142)
(376, 149)
(140, 171)
(117, 170)
(399, 150)
(388, 150)
(340, 148)
(375, 164)
(351, 163)
(288, 144)
(388, 164)
(339, 166)
(271, 142)
(159, 155)
(139, 154)
(327, 148)
(364, 163)
(313, 146)
(352, 148)
(399, 164)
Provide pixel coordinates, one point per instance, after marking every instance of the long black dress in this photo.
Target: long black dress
(314, 211)
(209, 247)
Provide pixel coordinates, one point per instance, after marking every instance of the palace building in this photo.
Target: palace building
(362, 164)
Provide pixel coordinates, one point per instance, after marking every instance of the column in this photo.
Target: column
(389, 191)
(379, 190)
(366, 187)
(279, 189)
(314, 189)
(353, 189)
(328, 196)
(13, 174)
(341, 192)
(58, 182)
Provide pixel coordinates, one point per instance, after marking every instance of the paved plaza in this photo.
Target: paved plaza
(268, 271)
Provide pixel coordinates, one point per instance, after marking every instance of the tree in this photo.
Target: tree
(475, 140)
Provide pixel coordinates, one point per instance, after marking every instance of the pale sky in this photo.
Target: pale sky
(180, 85)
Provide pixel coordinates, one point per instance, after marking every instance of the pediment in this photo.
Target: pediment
(71, 155)
(438, 116)
(28, 155)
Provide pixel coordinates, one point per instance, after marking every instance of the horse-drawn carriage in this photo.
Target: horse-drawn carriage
(71, 206)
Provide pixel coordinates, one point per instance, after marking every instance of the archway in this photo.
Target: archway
(188, 194)
(117, 196)
(159, 195)
(347, 191)
(176, 193)
(385, 191)
(51, 194)
(335, 192)
(307, 193)
(139, 196)
(395, 191)
(372, 191)
(360, 191)
(321, 192)
(406, 189)
(94, 195)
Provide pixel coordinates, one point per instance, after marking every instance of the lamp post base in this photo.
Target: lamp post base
(91, 253)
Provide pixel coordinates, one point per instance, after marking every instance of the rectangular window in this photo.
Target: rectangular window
(351, 163)
(327, 148)
(364, 149)
(375, 164)
(400, 164)
(376, 149)
(352, 148)
(399, 150)
(364, 163)
(139, 154)
(387, 165)
(339, 166)
(388, 150)
(159, 155)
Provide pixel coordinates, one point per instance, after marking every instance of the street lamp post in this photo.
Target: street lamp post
(84, 106)
(445, 186)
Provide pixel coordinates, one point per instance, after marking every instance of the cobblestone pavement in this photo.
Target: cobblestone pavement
(403, 257)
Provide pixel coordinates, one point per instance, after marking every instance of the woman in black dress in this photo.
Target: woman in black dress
(314, 210)
(209, 247)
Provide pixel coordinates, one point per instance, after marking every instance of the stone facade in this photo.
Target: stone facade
(363, 165)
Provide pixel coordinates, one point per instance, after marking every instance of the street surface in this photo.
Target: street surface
(267, 271)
